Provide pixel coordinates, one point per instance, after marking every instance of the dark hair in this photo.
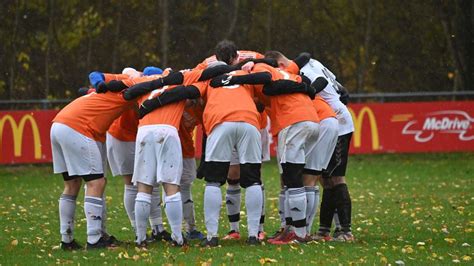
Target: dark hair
(274, 55)
(226, 51)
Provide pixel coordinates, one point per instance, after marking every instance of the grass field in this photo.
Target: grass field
(412, 209)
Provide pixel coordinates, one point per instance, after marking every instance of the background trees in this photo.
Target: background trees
(49, 46)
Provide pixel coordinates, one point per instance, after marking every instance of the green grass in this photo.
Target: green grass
(412, 208)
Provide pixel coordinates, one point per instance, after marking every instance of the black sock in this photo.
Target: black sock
(344, 206)
(327, 210)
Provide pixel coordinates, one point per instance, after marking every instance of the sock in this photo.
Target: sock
(93, 209)
(328, 206)
(188, 208)
(67, 210)
(232, 201)
(212, 206)
(142, 213)
(104, 215)
(337, 223)
(343, 206)
(281, 208)
(310, 194)
(315, 209)
(129, 195)
(288, 218)
(262, 216)
(297, 205)
(253, 203)
(174, 212)
(156, 218)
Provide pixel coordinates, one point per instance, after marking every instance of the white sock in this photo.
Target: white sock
(315, 207)
(232, 202)
(142, 213)
(93, 209)
(297, 205)
(310, 194)
(174, 212)
(262, 216)
(129, 195)
(212, 207)
(67, 210)
(286, 210)
(156, 218)
(281, 208)
(253, 203)
(188, 207)
(104, 215)
(337, 223)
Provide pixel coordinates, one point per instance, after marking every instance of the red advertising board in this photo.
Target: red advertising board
(413, 127)
(379, 128)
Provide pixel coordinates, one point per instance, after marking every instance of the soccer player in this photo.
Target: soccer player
(77, 139)
(120, 143)
(336, 194)
(295, 122)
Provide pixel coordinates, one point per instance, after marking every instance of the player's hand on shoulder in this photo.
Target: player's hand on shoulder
(102, 87)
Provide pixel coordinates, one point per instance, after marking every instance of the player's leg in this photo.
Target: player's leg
(342, 197)
(233, 197)
(218, 154)
(187, 178)
(169, 170)
(291, 147)
(156, 217)
(266, 139)
(249, 148)
(72, 185)
(144, 177)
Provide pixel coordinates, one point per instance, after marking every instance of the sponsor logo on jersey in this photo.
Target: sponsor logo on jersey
(442, 122)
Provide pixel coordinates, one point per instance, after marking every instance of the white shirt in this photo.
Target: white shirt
(314, 69)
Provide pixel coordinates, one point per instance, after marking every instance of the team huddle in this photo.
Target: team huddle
(142, 124)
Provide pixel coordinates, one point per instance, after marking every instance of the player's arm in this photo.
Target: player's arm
(267, 61)
(177, 94)
(302, 59)
(253, 79)
(212, 72)
(174, 78)
(344, 98)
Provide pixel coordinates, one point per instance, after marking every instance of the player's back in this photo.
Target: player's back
(228, 104)
(92, 114)
(287, 109)
(314, 69)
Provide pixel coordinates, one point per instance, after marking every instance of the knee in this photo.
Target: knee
(72, 187)
(234, 172)
(337, 180)
(292, 175)
(250, 175)
(216, 172)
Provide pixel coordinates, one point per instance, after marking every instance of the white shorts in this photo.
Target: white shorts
(189, 171)
(319, 158)
(158, 156)
(75, 153)
(296, 141)
(120, 155)
(266, 138)
(241, 136)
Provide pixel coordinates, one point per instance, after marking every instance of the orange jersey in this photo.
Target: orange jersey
(92, 114)
(242, 55)
(169, 114)
(228, 104)
(263, 120)
(192, 116)
(322, 108)
(292, 68)
(125, 127)
(287, 109)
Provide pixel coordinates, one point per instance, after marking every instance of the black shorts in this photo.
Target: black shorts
(87, 178)
(338, 163)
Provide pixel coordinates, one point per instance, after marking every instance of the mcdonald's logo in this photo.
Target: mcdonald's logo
(17, 130)
(358, 120)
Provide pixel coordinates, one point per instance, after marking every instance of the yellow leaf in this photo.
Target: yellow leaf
(450, 240)
(14, 242)
(466, 258)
